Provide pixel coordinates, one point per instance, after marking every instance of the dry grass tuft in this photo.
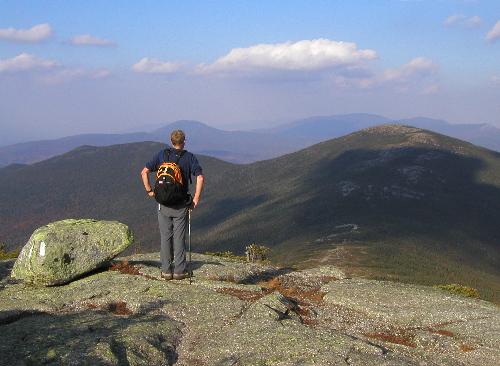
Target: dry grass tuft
(115, 307)
(310, 322)
(303, 297)
(403, 339)
(125, 268)
(327, 279)
(119, 308)
(442, 332)
(466, 348)
(224, 278)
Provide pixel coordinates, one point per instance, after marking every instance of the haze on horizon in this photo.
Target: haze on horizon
(88, 66)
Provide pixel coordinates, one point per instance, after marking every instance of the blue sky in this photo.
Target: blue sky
(70, 67)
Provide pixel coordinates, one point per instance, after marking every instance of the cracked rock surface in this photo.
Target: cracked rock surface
(236, 313)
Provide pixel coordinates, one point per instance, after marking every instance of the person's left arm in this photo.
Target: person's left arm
(145, 180)
(151, 166)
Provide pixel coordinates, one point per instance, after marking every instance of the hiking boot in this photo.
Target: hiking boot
(166, 276)
(181, 276)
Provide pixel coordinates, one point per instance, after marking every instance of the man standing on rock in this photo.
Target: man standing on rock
(172, 218)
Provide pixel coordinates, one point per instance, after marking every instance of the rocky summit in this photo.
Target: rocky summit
(63, 250)
(238, 313)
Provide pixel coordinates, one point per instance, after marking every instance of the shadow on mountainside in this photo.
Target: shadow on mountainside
(410, 192)
(225, 208)
(393, 194)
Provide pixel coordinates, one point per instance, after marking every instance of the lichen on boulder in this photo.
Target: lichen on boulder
(64, 250)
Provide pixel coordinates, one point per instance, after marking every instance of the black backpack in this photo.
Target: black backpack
(169, 186)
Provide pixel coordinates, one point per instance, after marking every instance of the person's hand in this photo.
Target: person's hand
(195, 202)
(151, 194)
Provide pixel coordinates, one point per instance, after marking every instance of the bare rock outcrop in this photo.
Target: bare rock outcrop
(237, 313)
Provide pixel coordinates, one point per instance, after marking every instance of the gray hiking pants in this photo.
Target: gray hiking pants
(173, 227)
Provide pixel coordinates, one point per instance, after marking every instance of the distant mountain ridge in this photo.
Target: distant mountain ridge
(248, 146)
(229, 145)
(390, 201)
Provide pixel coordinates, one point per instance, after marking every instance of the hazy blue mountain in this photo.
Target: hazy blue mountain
(240, 146)
(305, 132)
(34, 151)
(480, 134)
(248, 146)
(237, 146)
(312, 130)
(389, 202)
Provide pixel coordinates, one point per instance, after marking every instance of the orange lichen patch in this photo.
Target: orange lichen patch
(466, 348)
(303, 297)
(244, 295)
(119, 308)
(124, 267)
(91, 305)
(402, 339)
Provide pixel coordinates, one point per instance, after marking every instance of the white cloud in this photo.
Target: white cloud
(306, 55)
(23, 62)
(36, 33)
(88, 40)
(473, 22)
(68, 74)
(463, 21)
(494, 32)
(431, 89)
(419, 72)
(418, 67)
(155, 66)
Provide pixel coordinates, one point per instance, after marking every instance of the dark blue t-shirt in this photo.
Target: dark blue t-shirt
(188, 163)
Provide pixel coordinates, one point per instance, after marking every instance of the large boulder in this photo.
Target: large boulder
(63, 250)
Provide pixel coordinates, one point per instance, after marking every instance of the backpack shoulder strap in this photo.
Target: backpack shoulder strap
(166, 155)
(180, 156)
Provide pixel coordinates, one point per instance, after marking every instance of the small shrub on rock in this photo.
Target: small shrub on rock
(256, 253)
(459, 289)
(226, 255)
(5, 254)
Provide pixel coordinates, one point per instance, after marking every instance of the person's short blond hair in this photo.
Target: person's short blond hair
(177, 137)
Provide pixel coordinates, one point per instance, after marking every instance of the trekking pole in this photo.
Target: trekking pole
(189, 246)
